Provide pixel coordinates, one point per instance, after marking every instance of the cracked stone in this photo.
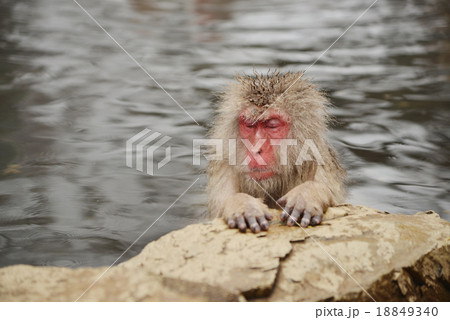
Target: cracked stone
(357, 253)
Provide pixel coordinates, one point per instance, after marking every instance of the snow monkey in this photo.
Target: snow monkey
(273, 116)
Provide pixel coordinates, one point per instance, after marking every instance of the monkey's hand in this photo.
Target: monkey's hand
(306, 203)
(243, 211)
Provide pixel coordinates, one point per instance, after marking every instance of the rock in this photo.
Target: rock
(28, 283)
(356, 254)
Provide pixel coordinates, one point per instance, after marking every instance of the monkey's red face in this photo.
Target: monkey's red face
(261, 160)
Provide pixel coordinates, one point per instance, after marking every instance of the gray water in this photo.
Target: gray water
(70, 98)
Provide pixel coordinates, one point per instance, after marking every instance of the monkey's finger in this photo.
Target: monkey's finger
(231, 223)
(242, 226)
(252, 224)
(287, 209)
(263, 223)
(286, 212)
(317, 217)
(282, 201)
(284, 215)
(306, 219)
(300, 206)
(268, 216)
(294, 217)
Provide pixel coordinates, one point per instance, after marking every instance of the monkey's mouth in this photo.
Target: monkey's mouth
(261, 173)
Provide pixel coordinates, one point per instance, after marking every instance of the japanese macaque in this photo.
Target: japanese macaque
(272, 118)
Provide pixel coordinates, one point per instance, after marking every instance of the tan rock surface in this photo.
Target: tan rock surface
(28, 283)
(356, 252)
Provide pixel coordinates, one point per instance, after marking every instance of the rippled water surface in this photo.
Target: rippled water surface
(70, 98)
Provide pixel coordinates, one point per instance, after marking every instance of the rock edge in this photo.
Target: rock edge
(356, 254)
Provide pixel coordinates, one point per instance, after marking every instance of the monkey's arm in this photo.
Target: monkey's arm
(307, 202)
(239, 210)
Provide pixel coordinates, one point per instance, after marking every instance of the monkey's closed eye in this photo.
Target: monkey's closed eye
(273, 123)
(250, 124)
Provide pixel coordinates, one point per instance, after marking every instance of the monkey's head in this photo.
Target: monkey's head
(261, 109)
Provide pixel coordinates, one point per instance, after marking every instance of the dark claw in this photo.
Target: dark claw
(255, 228)
(268, 216)
(263, 223)
(316, 220)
